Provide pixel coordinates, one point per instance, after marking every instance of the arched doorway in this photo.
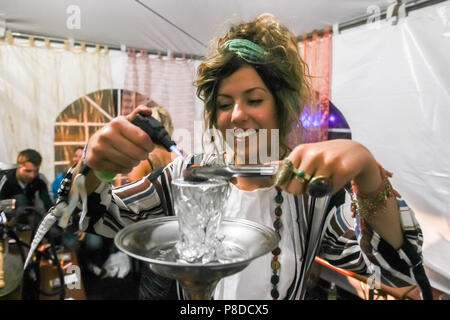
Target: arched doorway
(83, 117)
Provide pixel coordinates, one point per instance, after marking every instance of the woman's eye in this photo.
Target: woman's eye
(224, 106)
(255, 102)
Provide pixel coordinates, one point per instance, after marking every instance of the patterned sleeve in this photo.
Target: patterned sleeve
(352, 245)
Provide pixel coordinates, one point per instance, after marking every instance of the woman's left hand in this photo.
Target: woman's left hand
(342, 161)
(338, 160)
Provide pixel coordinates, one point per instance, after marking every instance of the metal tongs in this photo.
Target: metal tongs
(201, 173)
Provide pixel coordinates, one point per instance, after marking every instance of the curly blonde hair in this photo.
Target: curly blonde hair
(283, 72)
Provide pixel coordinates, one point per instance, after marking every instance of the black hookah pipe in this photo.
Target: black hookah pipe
(155, 131)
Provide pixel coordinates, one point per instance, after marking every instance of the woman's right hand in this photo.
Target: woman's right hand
(119, 146)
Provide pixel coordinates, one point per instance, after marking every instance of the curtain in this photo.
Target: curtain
(316, 53)
(393, 86)
(136, 81)
(165, 81)
(36, 83)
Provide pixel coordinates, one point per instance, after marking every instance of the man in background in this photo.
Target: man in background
(26, 185)
(77, 153)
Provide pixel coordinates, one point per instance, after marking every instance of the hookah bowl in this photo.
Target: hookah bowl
(147, 240)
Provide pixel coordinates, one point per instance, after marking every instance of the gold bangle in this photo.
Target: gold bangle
(368, 204)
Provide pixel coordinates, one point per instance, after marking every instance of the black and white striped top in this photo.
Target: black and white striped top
(345, 243)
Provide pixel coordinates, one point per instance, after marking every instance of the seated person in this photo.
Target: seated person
(26, 185)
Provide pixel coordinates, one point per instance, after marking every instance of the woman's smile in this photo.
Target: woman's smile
(245, 105)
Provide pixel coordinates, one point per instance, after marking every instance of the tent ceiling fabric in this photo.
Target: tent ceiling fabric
(181, 26)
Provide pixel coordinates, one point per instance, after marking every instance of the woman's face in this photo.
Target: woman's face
(244, 107)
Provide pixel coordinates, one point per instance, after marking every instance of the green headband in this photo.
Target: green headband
(246, 49)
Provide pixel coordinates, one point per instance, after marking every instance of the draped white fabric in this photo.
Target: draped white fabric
(168, 82)
(392, 85)
(36, 85)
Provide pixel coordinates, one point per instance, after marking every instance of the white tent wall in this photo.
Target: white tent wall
(392, 84)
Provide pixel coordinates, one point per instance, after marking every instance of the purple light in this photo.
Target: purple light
(332, 118)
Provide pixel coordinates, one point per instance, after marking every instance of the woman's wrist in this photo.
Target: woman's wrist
(369, 180)
(368, 203)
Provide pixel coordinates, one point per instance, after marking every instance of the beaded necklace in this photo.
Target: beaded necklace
(275, 263)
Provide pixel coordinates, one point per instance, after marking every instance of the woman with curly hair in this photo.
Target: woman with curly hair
(254, 84)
